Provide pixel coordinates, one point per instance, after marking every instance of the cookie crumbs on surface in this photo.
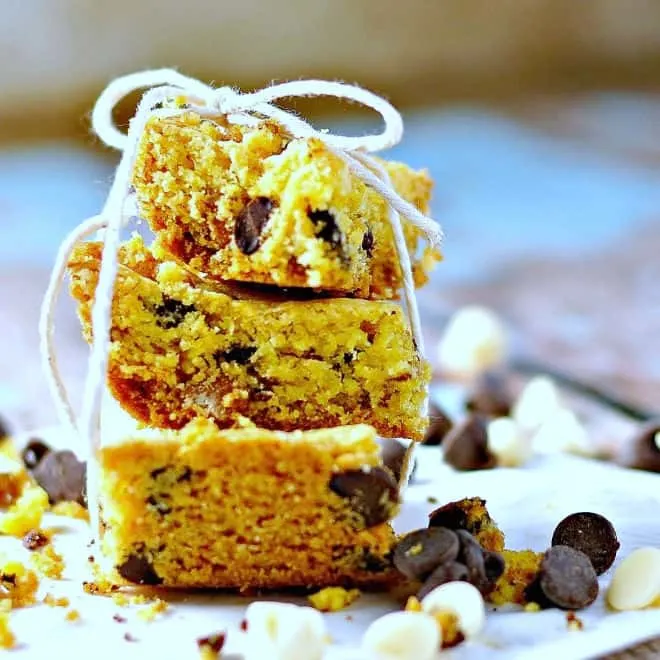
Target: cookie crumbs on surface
(72, 616)
(333, 599)
(432, 500)
(122, 599)
(119, 618)
(7, 638)
(129, 638)
(448, 623)
(26, 513)
(150, 612)
(18, 583)
(35, 539)
(532, 607)
(53, 601)
(70, 510)
(48, 562)
(211, 646)
(99, 587)
(573, 623)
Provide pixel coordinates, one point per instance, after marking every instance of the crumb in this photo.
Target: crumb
(129, 638)
(13, 478)
(573, 623)
(26, 513)
(211, 646)
(447, 623)
(244, 625)
(35, 539)
(99, 587)
(72, 616)
(48, 562)
(532, 607)
(7, 639)
(119, 618)
(348, 617)
(52, 601)
(521, 568)
(90, 559)
(122, 599)
(333, 599)
(432, 500)
(413, 605)
(150, 612)
(18, 583)
(70, 510)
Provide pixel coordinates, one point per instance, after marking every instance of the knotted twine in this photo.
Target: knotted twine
(238, 108)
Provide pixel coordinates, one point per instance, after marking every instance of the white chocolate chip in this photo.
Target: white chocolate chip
(537, 403)
(636, 581)
(508, 442)
(473, 342)
(563, 432)
(281, 631)
(402, 636)
(463, 600)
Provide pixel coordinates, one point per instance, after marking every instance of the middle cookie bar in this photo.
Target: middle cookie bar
(180, 351)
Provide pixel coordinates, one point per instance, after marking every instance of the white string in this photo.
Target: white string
(238, 108)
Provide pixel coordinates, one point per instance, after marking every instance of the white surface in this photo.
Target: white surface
(526, 502)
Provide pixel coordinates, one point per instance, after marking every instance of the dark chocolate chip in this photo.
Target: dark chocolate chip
(465, 447)
(62, 476)
(646, 448)
(159, 505)
(592, 534)
(373, 493)
(471, 555)
(419, 553)
(567, 578)
(329, 230)
(491, 396)
(171, 313)
(368, 243)
(238, 354)
(214, 642)
(154, 474)
(250, 224)
(452, 516)
(35, 539)
(138, 570)
(494, 565)
(450, 572)
(439, 425)
(33, 452)
(4, 429)
(185, 475)
(393, 454)
(348, 358)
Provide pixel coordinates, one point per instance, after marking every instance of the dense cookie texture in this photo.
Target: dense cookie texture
(253, 204)
(179, 351)
(246, 508)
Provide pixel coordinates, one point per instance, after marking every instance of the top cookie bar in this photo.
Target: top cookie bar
(253, 204)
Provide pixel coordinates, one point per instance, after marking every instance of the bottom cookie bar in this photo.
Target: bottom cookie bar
(245, 509)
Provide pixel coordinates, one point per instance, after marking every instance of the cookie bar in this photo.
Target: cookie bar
(180, 351)
(252, 204)
(246, 508)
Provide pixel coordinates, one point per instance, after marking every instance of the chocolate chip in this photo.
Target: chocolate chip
(419, 553)
(154, 474)
(646, 448)
(329, 231)
(368, 243)
(214, 642)
(373, 493)
(567, 578)
(138, 570)
(472, 556)
(592, 534)
(491, 396)
(465, 447)
(185, 475)
(4, 429)
(33, 452)
(159, 505)
(452, 516)
(238, 354)
(439, 425)
(171, 313)
(62, 476)
(250, 224)
(35, 539)
(450, 572)
(393, 454)
(494, 565)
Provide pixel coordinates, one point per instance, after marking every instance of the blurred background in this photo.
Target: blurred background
(538, 119)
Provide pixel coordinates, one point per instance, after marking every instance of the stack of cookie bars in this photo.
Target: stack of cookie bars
(258, 345)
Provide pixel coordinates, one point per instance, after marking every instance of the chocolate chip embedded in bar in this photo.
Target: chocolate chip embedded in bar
(139, 570)
(393, 454)
(592, 534)
(251, 223)
(466, 446)
(646, 448)
(452, 571)
(373, 493)
(567, 578)
(62, 476)
(419, 553)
